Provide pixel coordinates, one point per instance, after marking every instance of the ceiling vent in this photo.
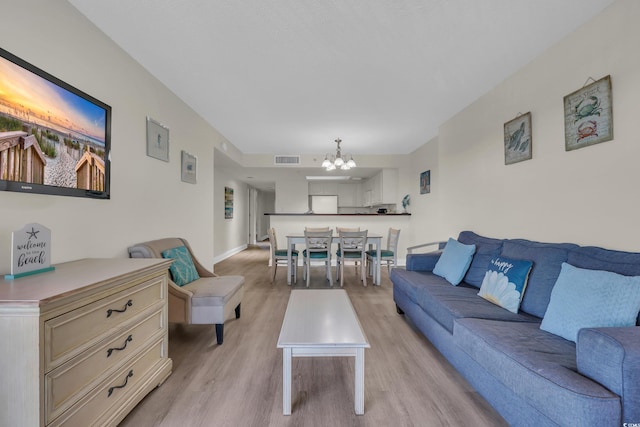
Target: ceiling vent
(286, 160)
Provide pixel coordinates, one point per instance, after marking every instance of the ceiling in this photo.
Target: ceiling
(290, 76)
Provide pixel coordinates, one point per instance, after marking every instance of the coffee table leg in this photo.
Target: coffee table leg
(286, 381)
(359, 386)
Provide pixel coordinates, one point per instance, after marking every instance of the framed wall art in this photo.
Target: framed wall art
(189, 168)
(228, 203)
(425, 182)
(157, 140)
(588, 115)
(517, 139)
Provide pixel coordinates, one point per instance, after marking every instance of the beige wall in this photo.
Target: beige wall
(588, 196)
(148, 200)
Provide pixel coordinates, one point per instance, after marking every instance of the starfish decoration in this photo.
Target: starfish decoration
(33, 233)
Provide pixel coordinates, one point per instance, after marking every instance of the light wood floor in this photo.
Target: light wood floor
(407, 382)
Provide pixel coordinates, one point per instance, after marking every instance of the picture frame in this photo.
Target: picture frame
(228, 203)
(425, 182)
(518, 141)
(157, 140)
(189, 168)
(588, 115)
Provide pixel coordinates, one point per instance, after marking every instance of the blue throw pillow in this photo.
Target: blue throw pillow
(454, 261)
(591, 299)
(182, 269)
(505, 281)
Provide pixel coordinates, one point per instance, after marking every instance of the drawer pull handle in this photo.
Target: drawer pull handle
(115, 310)
(127, 341)
(126, 380)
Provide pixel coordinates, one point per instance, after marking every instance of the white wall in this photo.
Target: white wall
(148, 199)
(231, 235)
(587, 196)
(292, 195)
(266, 204)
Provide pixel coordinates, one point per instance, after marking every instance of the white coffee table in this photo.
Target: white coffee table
(321, 323)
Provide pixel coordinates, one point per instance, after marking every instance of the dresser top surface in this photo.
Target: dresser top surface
(71, 277)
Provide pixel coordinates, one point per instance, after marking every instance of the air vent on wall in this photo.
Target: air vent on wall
(286, 160)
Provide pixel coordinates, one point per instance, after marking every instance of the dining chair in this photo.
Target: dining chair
(318, 248)
(280, 257)
(316, 229)
(350, 229)
(352, 247)
(389, 255)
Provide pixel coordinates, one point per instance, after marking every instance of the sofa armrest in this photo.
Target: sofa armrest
(422, 262)
(440, 245)
(611, 356)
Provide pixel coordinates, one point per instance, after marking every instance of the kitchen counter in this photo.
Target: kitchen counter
(349, 214)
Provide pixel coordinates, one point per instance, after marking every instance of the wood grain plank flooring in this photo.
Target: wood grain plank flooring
(407, 381)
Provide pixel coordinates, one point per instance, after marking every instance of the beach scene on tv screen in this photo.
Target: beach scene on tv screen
(49, 135)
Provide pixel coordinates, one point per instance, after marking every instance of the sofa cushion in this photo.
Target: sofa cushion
(486, 249)
(214, 291)
(454, 261)
(539, 367)
(547, 259)
(505, 282)
(410, 282)
(182, 269)
(591, 299)
(446, 303)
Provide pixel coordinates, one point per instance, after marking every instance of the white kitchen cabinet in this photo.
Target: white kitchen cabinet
(381, 189)
(349, 195)
(323, 188)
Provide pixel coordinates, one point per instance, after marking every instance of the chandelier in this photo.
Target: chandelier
(332, 162)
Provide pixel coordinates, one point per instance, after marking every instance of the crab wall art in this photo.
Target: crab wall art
(588, 117)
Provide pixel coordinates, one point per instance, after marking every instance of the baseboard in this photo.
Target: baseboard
(229, 253)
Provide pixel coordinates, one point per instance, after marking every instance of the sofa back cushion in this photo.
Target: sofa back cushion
(594, 258)
(547, 261)
(486, 249)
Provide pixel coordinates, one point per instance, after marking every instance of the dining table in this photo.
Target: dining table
(298, 238)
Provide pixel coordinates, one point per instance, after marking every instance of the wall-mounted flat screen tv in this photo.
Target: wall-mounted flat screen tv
(54, 138)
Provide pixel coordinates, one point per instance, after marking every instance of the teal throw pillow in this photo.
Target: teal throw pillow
(505, 281)
(591, 299)
(454, 261)
(182, 269)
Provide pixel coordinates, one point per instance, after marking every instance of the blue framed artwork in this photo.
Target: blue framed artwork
(425, 182)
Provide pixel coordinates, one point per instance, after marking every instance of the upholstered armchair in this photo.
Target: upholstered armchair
(206, 298)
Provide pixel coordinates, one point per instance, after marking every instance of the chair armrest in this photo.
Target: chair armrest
(611, 356)
(422, 262)
(441, 246)
(179, 306)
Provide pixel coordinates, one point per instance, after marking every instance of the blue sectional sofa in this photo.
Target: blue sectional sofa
(530, 376)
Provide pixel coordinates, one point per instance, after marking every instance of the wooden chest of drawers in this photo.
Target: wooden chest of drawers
(82, 345)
